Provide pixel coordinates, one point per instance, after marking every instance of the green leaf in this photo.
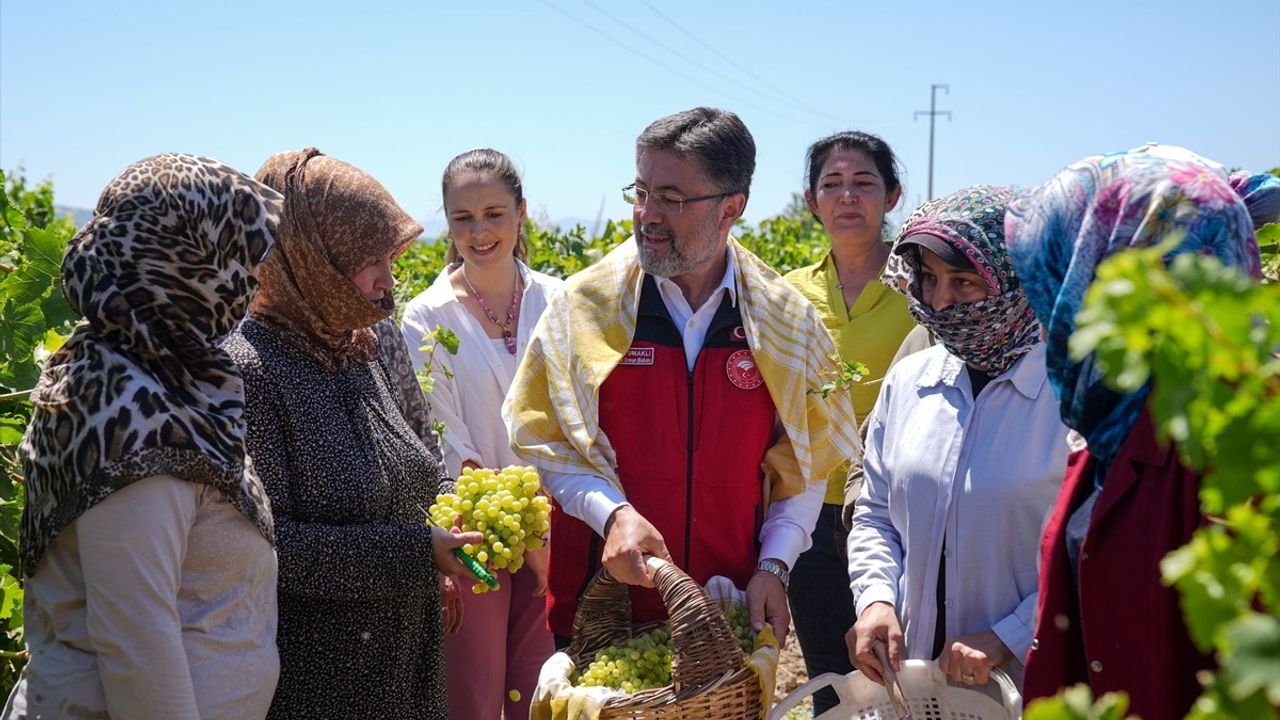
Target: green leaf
(447, 338)
(11, 431)
(1076, 703)
(1254, 661)
(10, 595)
(40, 269)
(1269, 236)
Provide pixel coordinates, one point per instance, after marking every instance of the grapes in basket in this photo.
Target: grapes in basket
(506, 505)
(644, 662)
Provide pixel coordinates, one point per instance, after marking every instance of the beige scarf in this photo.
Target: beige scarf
(552, 413)
(337, 221)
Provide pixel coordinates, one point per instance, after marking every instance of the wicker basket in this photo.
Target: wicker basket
(929, 694)
(709, 677)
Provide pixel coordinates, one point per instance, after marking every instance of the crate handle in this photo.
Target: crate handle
(797, 696)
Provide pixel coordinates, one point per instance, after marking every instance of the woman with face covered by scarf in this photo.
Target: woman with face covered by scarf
(348, 477)
(964, 454)
(1105, 617)
(146, 536)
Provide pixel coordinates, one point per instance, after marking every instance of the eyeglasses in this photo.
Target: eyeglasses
(664, 202)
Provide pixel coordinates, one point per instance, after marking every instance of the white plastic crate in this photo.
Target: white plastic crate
(930, 695)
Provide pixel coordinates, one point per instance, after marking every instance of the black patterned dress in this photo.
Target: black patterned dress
(349, 482)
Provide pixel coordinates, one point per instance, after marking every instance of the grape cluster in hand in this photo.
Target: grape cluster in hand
(506, 506)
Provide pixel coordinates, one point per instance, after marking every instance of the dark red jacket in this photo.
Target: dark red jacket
(1123, 629)
(689, 449)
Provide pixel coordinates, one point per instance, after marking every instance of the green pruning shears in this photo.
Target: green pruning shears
(475, 566)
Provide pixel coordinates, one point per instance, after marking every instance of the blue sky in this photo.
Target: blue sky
(564, 86)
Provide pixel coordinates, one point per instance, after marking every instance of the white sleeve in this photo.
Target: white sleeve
(788, 525)
(875, 547)
(132, 546)
(589, 498)
(446, 402)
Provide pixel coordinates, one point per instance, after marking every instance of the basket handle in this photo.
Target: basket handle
(705, 647)
(1012, 698)
(798, 695)
(603, 617)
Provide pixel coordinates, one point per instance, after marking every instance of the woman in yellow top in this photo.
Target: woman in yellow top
(852, 182)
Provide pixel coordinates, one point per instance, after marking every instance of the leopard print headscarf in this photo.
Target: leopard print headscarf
(163, 270)
(337, 221)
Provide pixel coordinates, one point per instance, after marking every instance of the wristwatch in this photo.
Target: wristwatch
(776, 569)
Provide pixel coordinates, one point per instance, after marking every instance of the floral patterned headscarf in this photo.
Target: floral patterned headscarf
(1061, 231)
(988, 334)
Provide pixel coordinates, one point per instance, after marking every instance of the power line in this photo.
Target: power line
(674, 71)
(678, 53)
(778, 92)
(933, 113)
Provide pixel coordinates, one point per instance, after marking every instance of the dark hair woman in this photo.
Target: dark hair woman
(349, 478)
(851, 183)
(146, 536)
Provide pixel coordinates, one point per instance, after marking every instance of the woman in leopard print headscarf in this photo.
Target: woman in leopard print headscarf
(147, 537)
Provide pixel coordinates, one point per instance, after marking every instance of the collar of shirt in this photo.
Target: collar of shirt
(693, 325)
(679, 307)
(945, 369)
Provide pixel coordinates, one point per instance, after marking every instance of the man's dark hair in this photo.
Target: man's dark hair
(716, 138)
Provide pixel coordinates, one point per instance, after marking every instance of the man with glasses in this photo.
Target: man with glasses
(669, 395)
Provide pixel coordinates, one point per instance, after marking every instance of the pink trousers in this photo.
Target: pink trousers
(500, 647)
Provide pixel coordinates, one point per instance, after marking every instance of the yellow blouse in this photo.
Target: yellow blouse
(869, 332)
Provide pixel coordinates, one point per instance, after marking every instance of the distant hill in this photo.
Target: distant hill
(79, 216)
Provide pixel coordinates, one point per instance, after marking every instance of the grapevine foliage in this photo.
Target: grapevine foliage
(34, 321)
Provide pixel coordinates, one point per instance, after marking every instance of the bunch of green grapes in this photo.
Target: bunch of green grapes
(506, 506)
(740, 623)
(644, 662)
(641, 663)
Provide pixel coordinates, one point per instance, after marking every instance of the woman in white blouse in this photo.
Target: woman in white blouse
(491, 300)
(964, 454)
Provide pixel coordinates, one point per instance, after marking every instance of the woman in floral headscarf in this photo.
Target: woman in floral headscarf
(146, 536)
(964, 454)
(348, 476)
(1127, 500)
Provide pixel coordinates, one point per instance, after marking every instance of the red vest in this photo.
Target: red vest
(689, 448)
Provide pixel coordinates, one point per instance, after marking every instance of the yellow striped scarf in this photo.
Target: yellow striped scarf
(552, 410)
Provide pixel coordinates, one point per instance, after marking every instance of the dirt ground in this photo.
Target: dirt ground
(791, 674)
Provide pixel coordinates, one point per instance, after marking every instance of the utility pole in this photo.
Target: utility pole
(933, 113)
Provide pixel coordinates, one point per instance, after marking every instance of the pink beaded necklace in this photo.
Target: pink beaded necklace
(507, 338)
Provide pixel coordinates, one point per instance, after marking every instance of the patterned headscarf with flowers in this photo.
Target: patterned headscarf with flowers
(988, 334)
(1061, 231)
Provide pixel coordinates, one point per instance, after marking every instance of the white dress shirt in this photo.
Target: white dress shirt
(469, 403)
(981, 474)
(788, 523)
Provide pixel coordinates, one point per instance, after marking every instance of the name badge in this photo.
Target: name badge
(638, 356)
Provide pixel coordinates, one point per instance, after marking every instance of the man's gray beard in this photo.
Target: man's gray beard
(674, 263)
(669, 265)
